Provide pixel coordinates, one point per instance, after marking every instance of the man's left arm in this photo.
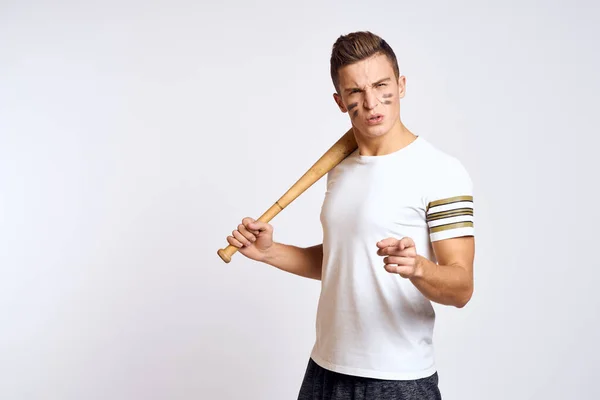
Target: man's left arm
(449, 282)
(449, 216)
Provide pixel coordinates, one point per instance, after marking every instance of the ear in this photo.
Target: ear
(340, 103)
(401, 86)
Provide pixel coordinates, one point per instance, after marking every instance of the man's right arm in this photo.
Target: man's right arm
(255, 240)
(302, 261)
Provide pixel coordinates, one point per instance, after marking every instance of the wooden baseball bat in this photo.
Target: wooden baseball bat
(332, 157)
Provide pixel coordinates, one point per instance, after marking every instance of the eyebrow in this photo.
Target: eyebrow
(374, 84)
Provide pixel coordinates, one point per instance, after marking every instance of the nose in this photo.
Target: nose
(370, 101)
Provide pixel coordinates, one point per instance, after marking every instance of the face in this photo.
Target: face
(370, 94)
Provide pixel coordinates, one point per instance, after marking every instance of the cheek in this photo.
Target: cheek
(353, 109)
(388, 98)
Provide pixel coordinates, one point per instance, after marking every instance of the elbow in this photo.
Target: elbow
(464, 299)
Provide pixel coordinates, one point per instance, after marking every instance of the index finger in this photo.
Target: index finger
(246, 222)
(388, 242)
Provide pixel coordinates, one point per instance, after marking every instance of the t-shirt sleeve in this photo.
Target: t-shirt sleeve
(449, 204)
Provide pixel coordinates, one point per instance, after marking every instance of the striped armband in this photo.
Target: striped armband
(450, 217)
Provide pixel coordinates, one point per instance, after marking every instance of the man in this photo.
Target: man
(397, 235)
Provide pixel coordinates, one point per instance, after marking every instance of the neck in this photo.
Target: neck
(395, 139)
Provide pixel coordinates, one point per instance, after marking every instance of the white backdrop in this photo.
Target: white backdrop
(135, 135)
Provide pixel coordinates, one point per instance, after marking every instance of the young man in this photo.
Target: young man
(397, 235)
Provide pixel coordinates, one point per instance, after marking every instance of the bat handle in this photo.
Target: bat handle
(230, 250)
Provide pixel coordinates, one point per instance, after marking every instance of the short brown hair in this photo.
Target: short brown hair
(357, 46)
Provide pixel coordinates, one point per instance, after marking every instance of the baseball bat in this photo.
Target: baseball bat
(332, 157)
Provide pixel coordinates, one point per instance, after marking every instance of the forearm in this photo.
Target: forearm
(300, 261)
(444, 284)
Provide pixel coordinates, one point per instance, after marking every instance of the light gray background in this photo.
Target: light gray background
(135, 135)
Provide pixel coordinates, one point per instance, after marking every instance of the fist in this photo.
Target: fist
(252, 238)
(400, 256)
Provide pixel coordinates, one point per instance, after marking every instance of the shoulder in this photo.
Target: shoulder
(446, 179)
(342, 168)
(442, 167)
(448, 197)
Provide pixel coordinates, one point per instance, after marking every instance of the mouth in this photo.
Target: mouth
(375, 119)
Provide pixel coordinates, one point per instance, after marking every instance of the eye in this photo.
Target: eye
(382, 84)
(355, 91)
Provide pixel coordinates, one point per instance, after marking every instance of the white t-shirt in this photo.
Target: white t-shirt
(370, 322)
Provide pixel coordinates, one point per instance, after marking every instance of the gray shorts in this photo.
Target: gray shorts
(322, 384)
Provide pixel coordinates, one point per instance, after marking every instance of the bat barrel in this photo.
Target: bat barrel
(339, 151)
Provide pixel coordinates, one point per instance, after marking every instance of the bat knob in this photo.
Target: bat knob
(224, 254)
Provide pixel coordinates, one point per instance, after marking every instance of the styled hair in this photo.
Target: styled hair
(356, 46)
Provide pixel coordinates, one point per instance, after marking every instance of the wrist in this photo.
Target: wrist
(421, 266)
(269, 254)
